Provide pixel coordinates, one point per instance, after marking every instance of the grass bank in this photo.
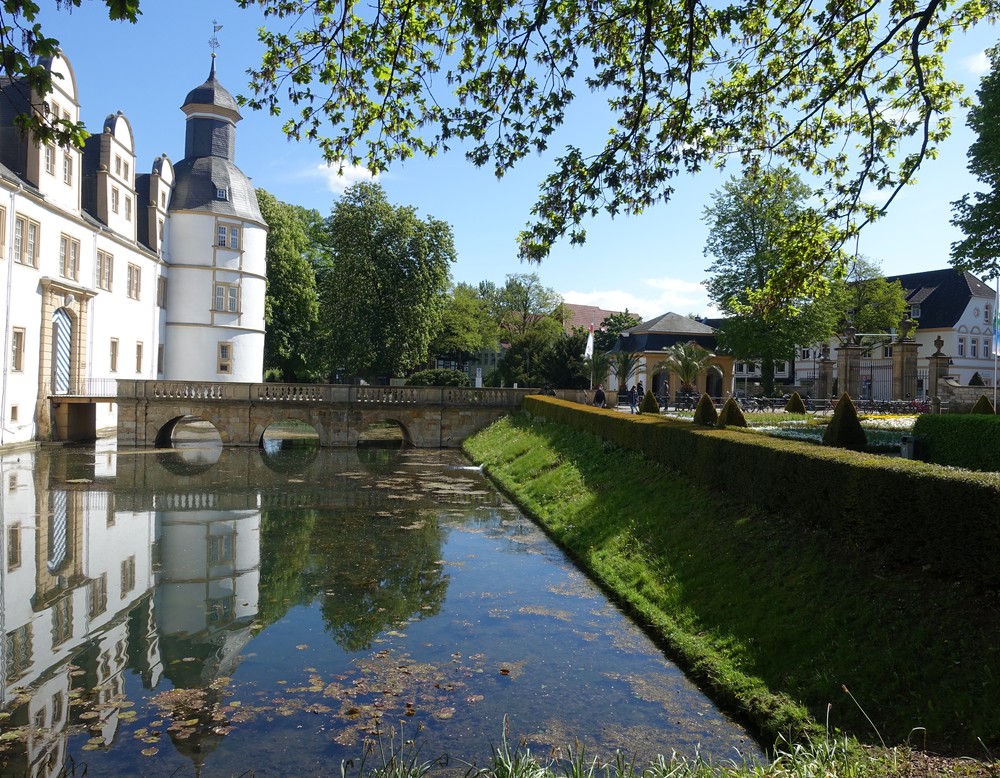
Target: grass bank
(767, 612)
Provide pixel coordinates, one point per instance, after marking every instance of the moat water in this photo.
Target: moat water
(278, 612)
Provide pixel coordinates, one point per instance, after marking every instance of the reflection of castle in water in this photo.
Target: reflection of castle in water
(95, 582)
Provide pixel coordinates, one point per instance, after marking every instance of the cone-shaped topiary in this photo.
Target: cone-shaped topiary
(795, 404)
(844, 429)
(649, 403)
(705, 413)
(731, 415)
(983, 405)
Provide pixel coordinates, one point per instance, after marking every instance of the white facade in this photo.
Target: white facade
(108, 276)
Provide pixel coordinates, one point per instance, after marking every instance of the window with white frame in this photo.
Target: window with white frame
(986, 348)
(227, 298)
(128, 574)
(105, 270)
(50, 159)
(97, 595)
(67, 169)
(69, 257)
(128, 208)
(125, 165)
(961, 347)
(115, 195)
(17, 349)
(225, 361)
(118, 165)
(138, 357)
(973, 348)
(18, 651)
(915, 311)
(228, 236)
(114, 355)
(161, 291)
(26, 234)
(14, 546)
(134, 281)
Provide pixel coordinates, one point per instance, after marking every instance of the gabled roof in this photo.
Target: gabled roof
(942, 295)
(584, 316)
(675, 324)
(664, 331)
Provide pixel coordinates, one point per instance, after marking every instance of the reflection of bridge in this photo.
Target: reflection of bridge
(429, 416)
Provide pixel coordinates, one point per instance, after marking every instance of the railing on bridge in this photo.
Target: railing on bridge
(323, 393)
(86, 387)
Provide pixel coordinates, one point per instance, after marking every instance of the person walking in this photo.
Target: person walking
(599, 398)
(632, 399)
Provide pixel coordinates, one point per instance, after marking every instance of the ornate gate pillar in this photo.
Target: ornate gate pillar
(849, 365)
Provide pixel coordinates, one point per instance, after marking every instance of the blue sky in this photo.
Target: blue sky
(650, 264)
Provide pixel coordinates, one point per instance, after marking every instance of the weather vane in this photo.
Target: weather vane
(213, 42)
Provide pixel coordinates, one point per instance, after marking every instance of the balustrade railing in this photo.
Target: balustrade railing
(322, 393)
(86, 387)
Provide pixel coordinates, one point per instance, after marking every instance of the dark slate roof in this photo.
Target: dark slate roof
(943, 295)
(198, 180)
(665, 331)
(674, 323)
(212, 93)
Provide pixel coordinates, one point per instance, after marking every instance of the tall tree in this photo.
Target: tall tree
(866, 301)
(978, 214)
(854, 93)
(291, 307)
(611, 327)
(384, 295)
(755, 225)
(528, 315)
(466, 325)
(563, 365)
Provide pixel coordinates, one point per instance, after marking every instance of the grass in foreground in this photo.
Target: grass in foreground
(766, 613)
(824, 757)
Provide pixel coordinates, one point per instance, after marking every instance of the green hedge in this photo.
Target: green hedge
(970, 440)
(900, 511)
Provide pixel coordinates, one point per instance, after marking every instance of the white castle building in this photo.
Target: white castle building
(112, 274)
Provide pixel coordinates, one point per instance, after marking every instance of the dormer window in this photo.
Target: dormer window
(915, 311)
(221, 194)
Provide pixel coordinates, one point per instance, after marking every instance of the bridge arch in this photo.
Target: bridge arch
(381, 417)
(303, 416)
(163, 429)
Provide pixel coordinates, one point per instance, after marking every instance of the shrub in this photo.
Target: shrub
(844, 429)
(705, 413)
(964, 440)
(731, 415)
(795, 404)
(438, 377)
(649, 403)
(983, 405)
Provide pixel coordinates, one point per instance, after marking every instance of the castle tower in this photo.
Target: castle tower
(217, 243)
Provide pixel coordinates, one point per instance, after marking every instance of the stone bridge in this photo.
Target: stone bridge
(429, 416)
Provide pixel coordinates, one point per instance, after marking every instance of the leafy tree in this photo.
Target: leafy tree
(598, 367)
(563, 365)
(866, 301)
(438, 377)
(466, 325)
(754, 224)
(23, 48)
(855, 94)
(978, 214)
(529, 318)
(291, 307)
(384, 295)
(687, 361)
(611, 327)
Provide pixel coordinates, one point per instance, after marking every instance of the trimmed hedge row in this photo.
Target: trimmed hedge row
(969, 440)
(900, 512)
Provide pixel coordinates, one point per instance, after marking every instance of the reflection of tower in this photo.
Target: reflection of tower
(206, 597)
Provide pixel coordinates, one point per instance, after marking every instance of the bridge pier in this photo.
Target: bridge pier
(430, 417)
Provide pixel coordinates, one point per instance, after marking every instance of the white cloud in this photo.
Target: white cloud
(662, 295)
(340, 177)
(977, 64)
